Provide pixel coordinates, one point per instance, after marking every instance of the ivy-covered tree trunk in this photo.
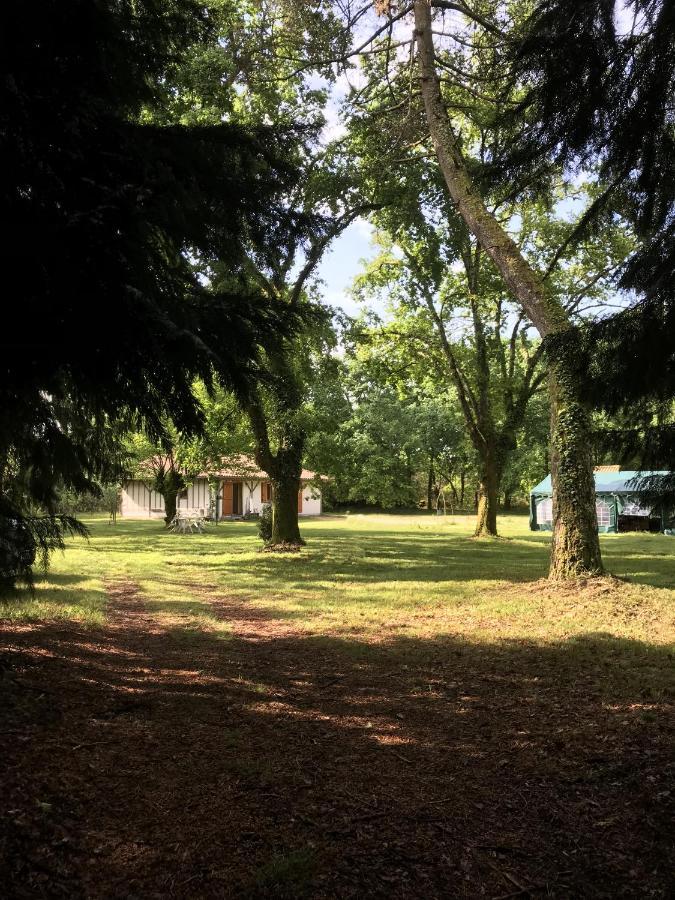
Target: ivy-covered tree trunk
(170, 505)
(169, 483)
(576, 545)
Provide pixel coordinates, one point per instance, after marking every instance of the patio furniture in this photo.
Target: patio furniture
(187, 523)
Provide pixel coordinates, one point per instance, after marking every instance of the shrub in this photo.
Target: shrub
(70, 503)
(105, 499)
(265, 522)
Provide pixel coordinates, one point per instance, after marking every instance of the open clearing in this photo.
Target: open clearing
(398, 711)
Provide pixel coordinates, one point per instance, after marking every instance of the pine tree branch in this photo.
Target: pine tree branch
(469, 13)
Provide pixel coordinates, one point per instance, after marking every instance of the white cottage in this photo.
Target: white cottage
(239, 488)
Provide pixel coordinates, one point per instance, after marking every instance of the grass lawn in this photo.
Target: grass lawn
(399, 710)
(368, 575)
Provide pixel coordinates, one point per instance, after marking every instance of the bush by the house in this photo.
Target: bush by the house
(265, 522)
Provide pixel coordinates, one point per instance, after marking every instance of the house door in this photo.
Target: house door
(231, 502)
(227, 494)
(300, 500)
(232, 498)
(237, 494)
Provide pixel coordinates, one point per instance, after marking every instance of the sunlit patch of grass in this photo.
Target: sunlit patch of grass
(77, 598)
(180, 606)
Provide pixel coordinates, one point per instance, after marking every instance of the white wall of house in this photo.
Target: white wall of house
(252, 495)
(311, 501)
(197, 499)
(138, 502)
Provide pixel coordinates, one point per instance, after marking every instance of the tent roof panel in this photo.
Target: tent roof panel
(605, 482)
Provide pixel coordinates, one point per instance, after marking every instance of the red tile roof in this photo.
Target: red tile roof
(240, 467)
(245, 467)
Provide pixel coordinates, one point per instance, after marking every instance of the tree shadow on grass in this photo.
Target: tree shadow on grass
(391, 559)
(325, 767)
(355, 557)
(363, 555)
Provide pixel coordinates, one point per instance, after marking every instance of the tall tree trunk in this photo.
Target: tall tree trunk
(576, 550)
(285, 527)
(575, 526)
(430, 485)
(169, 482)
(462, 488)
(284, 468)
(170, 496)
(488, 495)
(454, 491)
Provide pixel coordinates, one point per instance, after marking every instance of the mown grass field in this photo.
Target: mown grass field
(397, 711)
(368, 575)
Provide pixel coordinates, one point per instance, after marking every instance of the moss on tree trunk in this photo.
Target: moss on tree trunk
(488, 499)
(576, 544)
(284, 466)
(169, 483)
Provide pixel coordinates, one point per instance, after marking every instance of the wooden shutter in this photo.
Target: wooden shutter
(300, 500)
(265, 491)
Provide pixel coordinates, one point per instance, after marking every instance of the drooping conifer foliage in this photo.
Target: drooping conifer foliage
(114, 221)
(599, 82)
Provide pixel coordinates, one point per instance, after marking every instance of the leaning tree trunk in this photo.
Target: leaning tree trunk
(576, 546)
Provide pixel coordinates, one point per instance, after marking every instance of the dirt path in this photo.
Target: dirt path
(138, 763)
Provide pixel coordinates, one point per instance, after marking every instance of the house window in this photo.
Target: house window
(266, 492)
(604, 513)
(545, 512)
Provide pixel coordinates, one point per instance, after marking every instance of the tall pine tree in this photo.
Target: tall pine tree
(116, 216)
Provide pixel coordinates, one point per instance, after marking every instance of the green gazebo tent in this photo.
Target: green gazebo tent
(617, 502)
